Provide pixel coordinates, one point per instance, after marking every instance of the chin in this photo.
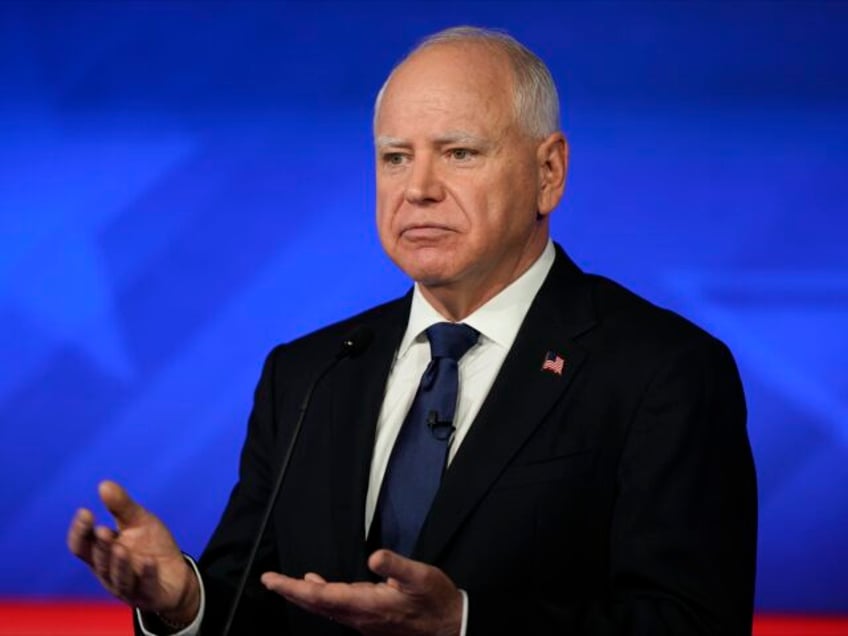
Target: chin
(427, 269)
(426, 276)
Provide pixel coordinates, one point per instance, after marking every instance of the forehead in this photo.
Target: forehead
(457, 86)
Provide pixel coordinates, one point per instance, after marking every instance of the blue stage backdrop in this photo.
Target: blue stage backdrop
(183, 185)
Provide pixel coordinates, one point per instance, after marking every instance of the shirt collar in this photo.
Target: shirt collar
(498, 319)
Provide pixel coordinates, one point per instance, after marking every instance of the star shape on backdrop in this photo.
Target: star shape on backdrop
(60, 192)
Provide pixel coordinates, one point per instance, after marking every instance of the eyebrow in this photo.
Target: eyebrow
(383, 142)
(451, 137)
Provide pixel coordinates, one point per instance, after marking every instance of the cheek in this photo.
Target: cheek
(384, 228)
(468, 203)
(482, 208)
(387, 202)
(508, 203)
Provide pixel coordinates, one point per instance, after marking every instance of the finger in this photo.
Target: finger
(101, 554)
(121, 573)
(398, 569)
(328, 599)
(302, 592)
(119, 503)
(281, 583)
(80, 538)
(305, 593)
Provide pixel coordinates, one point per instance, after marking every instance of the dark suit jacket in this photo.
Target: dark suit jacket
(616, 498)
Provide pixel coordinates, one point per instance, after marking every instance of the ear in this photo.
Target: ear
(552, 163)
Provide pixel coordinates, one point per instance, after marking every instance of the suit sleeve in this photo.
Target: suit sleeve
(683, 530)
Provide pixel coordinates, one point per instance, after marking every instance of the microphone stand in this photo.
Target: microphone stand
(356, 342)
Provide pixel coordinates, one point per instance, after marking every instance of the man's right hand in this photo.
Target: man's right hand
(140, 563)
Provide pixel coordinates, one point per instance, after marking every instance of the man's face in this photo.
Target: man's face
(457, 179)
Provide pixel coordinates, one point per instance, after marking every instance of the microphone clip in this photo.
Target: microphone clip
(442, 430)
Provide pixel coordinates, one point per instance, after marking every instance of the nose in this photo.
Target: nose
(424, 185)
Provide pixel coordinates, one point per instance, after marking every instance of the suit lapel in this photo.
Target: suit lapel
(519, 399)
(358, 389)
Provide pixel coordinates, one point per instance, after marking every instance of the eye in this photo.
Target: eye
(462, 154)
(394, 158)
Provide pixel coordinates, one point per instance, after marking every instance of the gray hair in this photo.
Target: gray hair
(536, 99)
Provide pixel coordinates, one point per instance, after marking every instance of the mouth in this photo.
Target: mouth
(425, 232)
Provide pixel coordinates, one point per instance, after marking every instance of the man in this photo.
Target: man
(598, 474)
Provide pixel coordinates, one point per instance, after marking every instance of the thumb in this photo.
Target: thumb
(118, 502)
(391, 565)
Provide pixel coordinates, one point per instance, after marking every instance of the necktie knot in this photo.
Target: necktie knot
(451, 340)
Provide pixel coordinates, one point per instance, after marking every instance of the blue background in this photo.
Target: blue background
(183, 185)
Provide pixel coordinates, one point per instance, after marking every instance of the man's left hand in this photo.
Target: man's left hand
(415, 598)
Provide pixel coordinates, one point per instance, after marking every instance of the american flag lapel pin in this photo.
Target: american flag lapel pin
(554, 363)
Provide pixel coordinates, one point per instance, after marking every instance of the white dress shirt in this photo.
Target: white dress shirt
(498, 322)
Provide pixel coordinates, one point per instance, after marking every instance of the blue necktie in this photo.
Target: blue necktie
(419, 455)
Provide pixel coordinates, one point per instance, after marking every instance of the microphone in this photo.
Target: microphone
(357, 341)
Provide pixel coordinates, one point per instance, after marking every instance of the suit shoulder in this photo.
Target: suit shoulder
(638, 344)
(323, 343)
(630, 318)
